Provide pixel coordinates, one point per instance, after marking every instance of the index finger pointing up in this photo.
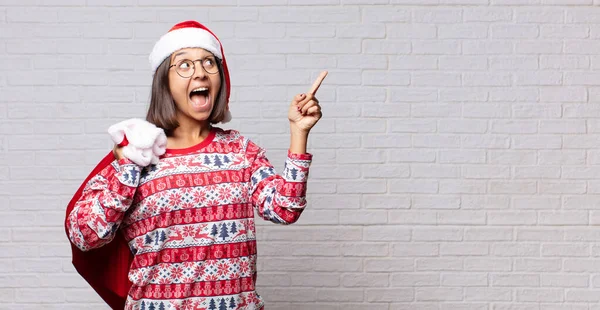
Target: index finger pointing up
(317, 83)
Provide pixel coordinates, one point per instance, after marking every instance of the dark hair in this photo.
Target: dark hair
(162, 109)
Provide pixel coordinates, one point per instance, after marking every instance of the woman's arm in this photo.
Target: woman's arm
(96, 217)
(278, 198)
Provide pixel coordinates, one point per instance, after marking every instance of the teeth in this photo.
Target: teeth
(200, 89)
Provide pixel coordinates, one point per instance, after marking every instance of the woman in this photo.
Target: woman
(182, 230)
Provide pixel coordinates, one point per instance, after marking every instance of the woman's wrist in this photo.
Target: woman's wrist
(298, 140)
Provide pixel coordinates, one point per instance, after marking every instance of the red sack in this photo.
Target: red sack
(107, 267)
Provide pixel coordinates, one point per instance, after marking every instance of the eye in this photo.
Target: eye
(209, 62)
(185, 65)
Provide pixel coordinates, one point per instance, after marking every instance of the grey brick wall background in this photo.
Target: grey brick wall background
(456, 166)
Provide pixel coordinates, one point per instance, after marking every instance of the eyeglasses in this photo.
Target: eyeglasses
(186, 68)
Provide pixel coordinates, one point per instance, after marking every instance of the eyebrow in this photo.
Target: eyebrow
(178, 54)
(184, 52)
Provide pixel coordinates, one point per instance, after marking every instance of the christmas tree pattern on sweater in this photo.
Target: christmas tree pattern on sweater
(189, 220)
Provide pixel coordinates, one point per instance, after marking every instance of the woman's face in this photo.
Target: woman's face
(195, 95)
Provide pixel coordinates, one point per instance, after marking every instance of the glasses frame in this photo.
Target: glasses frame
(194, 66)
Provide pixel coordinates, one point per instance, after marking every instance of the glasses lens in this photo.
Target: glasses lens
(185, 68)
(210, 65)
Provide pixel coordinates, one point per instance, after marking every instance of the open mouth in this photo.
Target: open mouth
(199, 97)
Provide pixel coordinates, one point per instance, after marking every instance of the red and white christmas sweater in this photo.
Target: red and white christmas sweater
(189, 220)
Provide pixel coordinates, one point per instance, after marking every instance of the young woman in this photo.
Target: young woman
(180, 234)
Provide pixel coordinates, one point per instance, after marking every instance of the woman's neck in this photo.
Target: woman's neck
(189, 134)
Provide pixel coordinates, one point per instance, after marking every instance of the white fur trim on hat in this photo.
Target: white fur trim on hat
(181, 38)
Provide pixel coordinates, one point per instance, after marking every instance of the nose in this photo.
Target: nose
(198, 70)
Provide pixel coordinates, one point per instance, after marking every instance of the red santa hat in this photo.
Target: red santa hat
(190, 34)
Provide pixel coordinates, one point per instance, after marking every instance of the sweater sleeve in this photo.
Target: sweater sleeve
(278, 198)
(97, 214)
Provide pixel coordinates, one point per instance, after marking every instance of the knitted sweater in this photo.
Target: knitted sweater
(189, 220)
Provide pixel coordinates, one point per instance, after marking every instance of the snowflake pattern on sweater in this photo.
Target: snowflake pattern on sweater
(189, 220)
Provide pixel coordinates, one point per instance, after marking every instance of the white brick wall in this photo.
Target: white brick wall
(454, 168)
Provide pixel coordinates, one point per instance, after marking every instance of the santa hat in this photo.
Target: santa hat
(190, 34)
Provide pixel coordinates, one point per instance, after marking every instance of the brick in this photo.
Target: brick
(477, 14)
(385, 14)
(487, 234)
(436, 202)
(386, 46)
(401, 186)
(384, 78)
(47, 295)
(511, 218)
(386, 202)
(390, 295)
(464, 306)
(540, 295)
(462, 31)
(365, 250)
(388, 265)
(461, 217)
(538, 234)
(491, 47)
(506, 31)
(365, 125)
(315, 280)
(514, 94)
(462, 157)
(577, 46)
(440, 141)
(537, 172)
(422, 95)
(411, 31)
(578, 16)
(435, 79)
(487, 294)
(583, 296)
(464, 280)
(361, 31)
(564, 31)
(463, 187)
(412, 156)
(434, 171)
(486, 79)
(437, 234)
(386, 233)
(464, 95)
(564, 61)
(421, 279)
(367, 217)
(564, 280)
(515, 2)
(439, 264)
(365, 280)
(435, 47)
(409, 249)
(434, 16)
(568, 250)
(464, 249)
(537, 142)
(438, 294)
(338, 264)
(515, 249)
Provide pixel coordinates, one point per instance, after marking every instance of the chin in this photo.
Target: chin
(200, 115)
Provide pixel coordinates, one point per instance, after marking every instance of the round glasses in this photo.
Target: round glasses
(186, 68)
